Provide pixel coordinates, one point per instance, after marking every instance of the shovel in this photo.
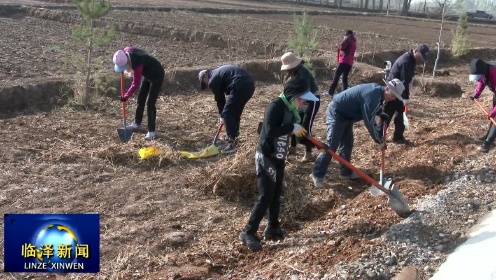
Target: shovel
(485, 111)
(395, 198)
(373, 190)
(209, 151)
(125, 134)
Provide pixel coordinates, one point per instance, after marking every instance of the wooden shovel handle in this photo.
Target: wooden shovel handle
(485, 111)
(347, 164)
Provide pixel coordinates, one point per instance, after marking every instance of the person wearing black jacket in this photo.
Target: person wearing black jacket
(404, 70)
(148, 74)
(238, 86)
(280, 121)
(294, 66)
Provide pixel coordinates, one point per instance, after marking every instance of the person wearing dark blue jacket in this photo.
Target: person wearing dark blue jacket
(238, 86)
(404, 70)
(361, 102)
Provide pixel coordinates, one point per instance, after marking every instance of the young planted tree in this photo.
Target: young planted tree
(460, 43)
(443, 5)
(303, 41)
(90, 37)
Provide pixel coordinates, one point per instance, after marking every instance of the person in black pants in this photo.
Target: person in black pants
(346, 49)
(149, 73)
(404, 70)
(484, 74)
(295, 67)
(238, 86)
(280, 120)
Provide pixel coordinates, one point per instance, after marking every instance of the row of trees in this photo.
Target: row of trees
(404, 5)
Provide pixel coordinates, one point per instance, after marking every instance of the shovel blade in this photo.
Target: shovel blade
(124, 134)
(398, 203)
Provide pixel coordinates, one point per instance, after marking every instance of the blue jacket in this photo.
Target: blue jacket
(362, 102)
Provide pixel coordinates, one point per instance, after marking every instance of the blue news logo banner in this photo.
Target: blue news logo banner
(59, 243)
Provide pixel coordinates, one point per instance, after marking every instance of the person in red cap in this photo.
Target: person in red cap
(149, 74)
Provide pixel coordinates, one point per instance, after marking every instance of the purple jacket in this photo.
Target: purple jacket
(347, 49)
(489, 81)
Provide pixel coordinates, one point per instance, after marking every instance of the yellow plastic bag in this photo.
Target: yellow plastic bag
(145, 153)
(209, 151)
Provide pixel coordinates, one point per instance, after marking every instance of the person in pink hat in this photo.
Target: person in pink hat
(149, 74)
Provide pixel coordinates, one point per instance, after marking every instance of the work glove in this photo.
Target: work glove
(221, 120)
(298, 130)
(406, 102)
(123, 99)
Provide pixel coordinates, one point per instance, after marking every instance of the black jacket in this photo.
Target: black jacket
(404, 70)
(226, 80)
(278, 121)
(152, 69)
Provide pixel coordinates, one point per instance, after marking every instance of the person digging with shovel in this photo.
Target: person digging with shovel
(294, 66)
(404, 70)
(280, 121)
(485, 75)
(149, 74)
(361, 102)
(238, 86)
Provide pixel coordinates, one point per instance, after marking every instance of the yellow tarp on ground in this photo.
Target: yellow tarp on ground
(209, 151)
(145, 153)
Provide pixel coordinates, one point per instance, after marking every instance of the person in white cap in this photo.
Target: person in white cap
(280, 121)
(294, 66)
(149, 74)
(361, 102)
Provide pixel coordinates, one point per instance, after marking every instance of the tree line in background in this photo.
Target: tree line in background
(405, 6)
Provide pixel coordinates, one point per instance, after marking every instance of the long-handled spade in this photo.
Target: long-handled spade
(395, 198)
(373, 190)
(485, 111)
(124, 133)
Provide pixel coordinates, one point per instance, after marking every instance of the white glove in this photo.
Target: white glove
(406, 102)
(299, 130)
(221, 120)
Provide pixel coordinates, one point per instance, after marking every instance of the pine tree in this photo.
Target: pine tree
(304, 40)
(460, 43)
(91, 37)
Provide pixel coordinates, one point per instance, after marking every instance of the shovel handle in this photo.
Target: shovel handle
(347, 164)
(217, 133)
(485, 111)
(122, 95)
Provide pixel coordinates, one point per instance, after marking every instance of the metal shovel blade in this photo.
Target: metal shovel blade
(398, 202)
(125, 134)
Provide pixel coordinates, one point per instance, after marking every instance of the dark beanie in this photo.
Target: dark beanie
(478, 67)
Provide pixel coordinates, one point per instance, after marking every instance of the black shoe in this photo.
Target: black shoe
(231, 148)
(481, 139)
(251, 240)
(274, 233)
(400, 140)
(484, 147)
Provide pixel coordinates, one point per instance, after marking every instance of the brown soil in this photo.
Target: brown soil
(157, 220)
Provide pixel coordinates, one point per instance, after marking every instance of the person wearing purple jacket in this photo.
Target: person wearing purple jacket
(346, 50)
(485, 75)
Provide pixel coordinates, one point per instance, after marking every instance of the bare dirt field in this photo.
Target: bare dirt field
(163, 218)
